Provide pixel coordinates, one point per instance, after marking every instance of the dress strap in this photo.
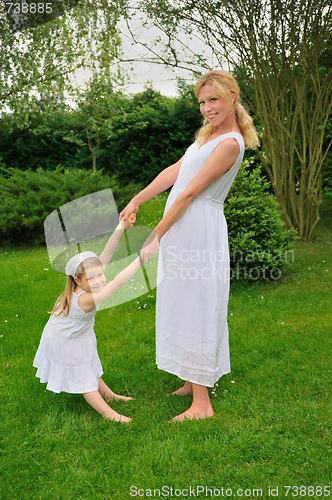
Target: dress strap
(234, 135)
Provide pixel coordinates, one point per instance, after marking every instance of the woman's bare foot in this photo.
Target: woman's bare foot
(194, 412)
(201, 405)
(183, 391)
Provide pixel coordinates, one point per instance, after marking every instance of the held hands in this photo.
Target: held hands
(129, 221)
(131, 209)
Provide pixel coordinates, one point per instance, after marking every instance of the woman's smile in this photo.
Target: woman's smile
(215, 109)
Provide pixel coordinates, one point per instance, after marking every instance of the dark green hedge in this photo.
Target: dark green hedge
(26, 199)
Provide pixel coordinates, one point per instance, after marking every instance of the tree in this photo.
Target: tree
(39, 59)
(99, 110)
(275, 46)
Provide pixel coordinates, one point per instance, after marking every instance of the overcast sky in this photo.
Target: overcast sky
(162, 79)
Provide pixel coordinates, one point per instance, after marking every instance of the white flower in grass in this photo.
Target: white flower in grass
(5, 321)
(232, 381)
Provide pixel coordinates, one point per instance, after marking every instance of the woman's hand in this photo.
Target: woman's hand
(129, 221)
(131, 209)
(150, 247)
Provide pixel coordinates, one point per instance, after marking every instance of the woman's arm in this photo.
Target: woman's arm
(163, 181)
(219, 162)
(88, 301)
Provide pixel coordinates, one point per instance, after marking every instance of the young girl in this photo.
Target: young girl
(67, 357)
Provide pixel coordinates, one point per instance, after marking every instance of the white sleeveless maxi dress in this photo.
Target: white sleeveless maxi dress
(192, 297)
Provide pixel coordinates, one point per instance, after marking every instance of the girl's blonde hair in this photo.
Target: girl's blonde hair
(223, 83)
(62, 303)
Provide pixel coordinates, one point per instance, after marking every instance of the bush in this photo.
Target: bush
(27, 198)
(259, 243)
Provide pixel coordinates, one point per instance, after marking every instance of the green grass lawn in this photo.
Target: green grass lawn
(272, 423)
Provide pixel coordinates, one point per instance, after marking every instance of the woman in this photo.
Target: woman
(192, 298)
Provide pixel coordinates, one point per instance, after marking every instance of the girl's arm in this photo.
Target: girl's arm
(88, 301)
(111, 245)
(163, 181)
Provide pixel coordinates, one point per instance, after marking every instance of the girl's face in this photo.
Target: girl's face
(215, 109)
(93, 280)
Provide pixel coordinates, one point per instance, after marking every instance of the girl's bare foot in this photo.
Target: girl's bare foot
(108, 394)
(183, 391)
(113, 415)
(111, 395)
(194, 412)
(95, 399)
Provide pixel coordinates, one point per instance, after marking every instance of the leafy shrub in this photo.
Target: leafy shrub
(259, 243)
(26, 198)
(327, 164)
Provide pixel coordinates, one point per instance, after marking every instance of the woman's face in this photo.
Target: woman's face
(215, 109)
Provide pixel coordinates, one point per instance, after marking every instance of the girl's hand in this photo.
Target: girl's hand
(129, 221)
(150, 247)
(131, 209)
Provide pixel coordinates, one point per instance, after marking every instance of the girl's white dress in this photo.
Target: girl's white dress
(192, 296)
(67, 357)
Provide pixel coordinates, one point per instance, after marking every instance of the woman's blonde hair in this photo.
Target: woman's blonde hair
(62, 303)
(223, 83)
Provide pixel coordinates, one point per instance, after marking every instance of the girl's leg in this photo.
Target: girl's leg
(107, 394)
(96, 401)
(201, 405)
(184, 390)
